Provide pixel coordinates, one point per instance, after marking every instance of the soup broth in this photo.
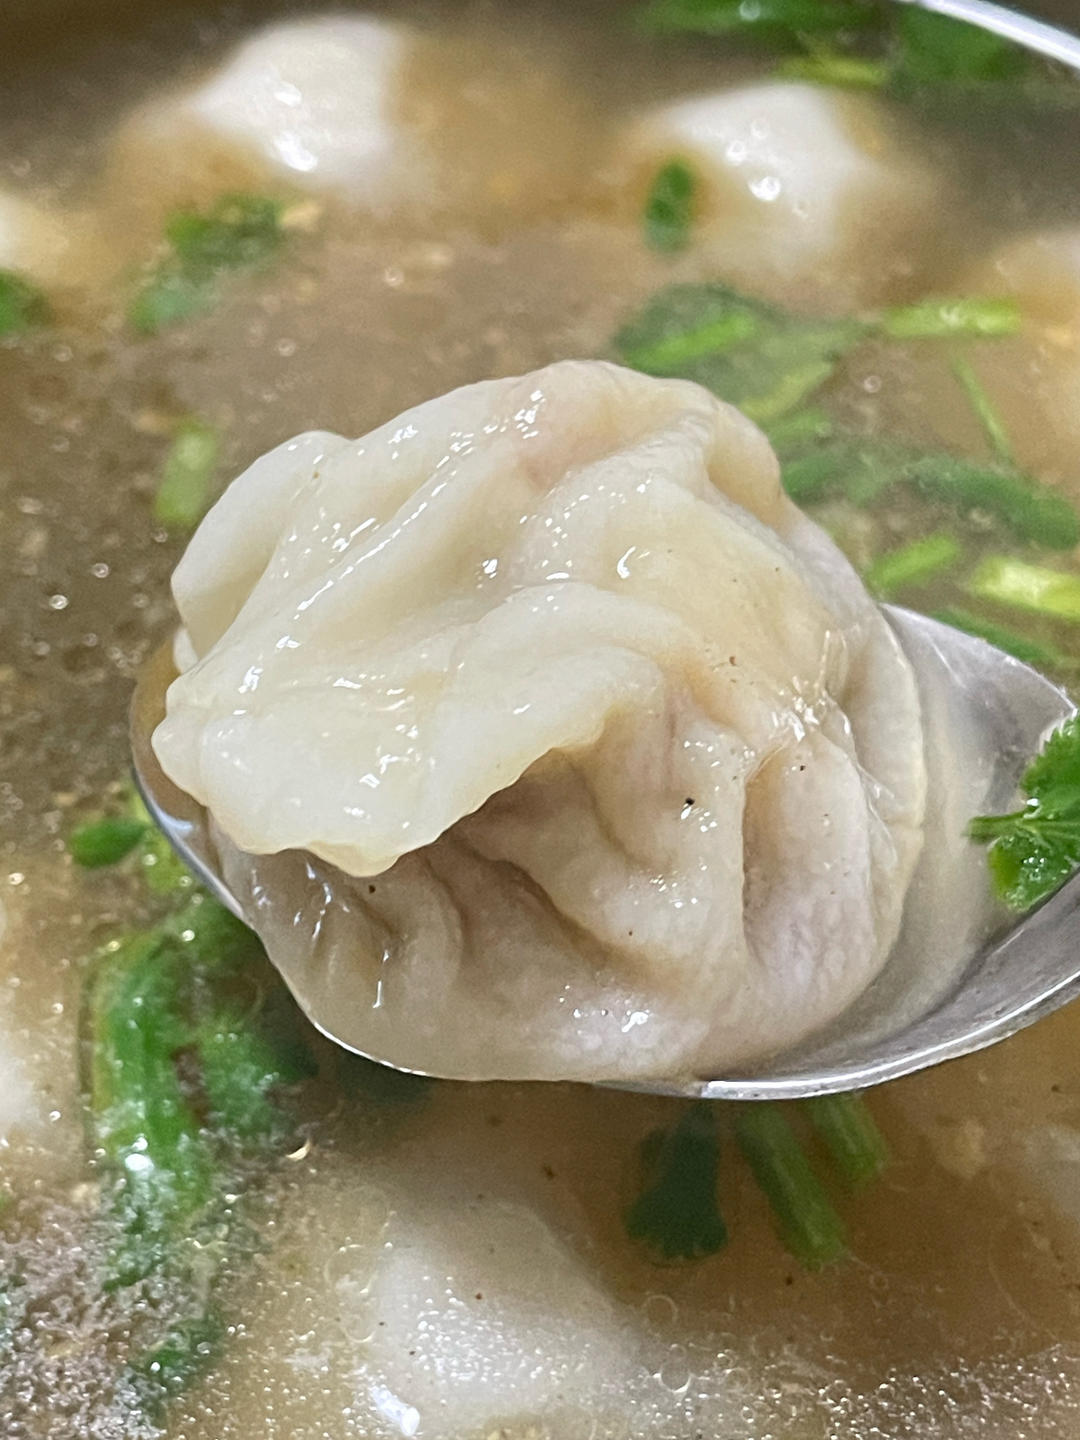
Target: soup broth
(446, 1259)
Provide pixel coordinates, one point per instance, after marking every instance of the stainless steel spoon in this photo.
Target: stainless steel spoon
(947, 990)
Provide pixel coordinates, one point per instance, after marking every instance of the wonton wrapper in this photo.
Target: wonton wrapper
(1035, 378)
(47, 247)
(572, 748)
(803, 194)
(1032, 378)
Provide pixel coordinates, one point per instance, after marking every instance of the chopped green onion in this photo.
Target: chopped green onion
(984, 408)
(844, 72)
(669, 354)
(808, 1224)
(851, 1135)
(946, 319)
(789, 390)
(1005, 580)
(1023, 647)
(856, 467)
(914, 564)
(1030, 510)
(669, 208)
(183, 494)
(751, 354)
(793, 431)
(105, 841)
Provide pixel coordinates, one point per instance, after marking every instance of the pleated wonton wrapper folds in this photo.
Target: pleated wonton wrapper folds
(544, 737)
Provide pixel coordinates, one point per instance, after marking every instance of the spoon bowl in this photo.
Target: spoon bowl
(958, 979)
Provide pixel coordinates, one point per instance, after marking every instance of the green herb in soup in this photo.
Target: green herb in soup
(916, 563)
(754, 355)
(912, 51)
(676, 1214)
(191, 1047)
(183, 495)
(770, 21)
(669, 207)
(768, 361)
(22, 305)
(855, 1144)
(239, 232)
(1034, 850)
(805, 1217)
(934, 49)
(105, 841)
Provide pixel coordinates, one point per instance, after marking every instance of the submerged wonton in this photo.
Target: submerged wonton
(34, 242)
(567, 746)
(374, 112)
(802, 192)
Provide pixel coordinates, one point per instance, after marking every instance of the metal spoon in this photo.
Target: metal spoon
(947, 990)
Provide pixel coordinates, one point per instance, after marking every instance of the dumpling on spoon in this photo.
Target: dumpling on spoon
(544, 737)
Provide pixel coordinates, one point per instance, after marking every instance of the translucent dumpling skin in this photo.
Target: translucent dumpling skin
(805, 194)
(544, 737)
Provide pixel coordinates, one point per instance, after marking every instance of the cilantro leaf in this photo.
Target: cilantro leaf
(676, 1213)
(859, 468)
(1034, 850)
(105, 840)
